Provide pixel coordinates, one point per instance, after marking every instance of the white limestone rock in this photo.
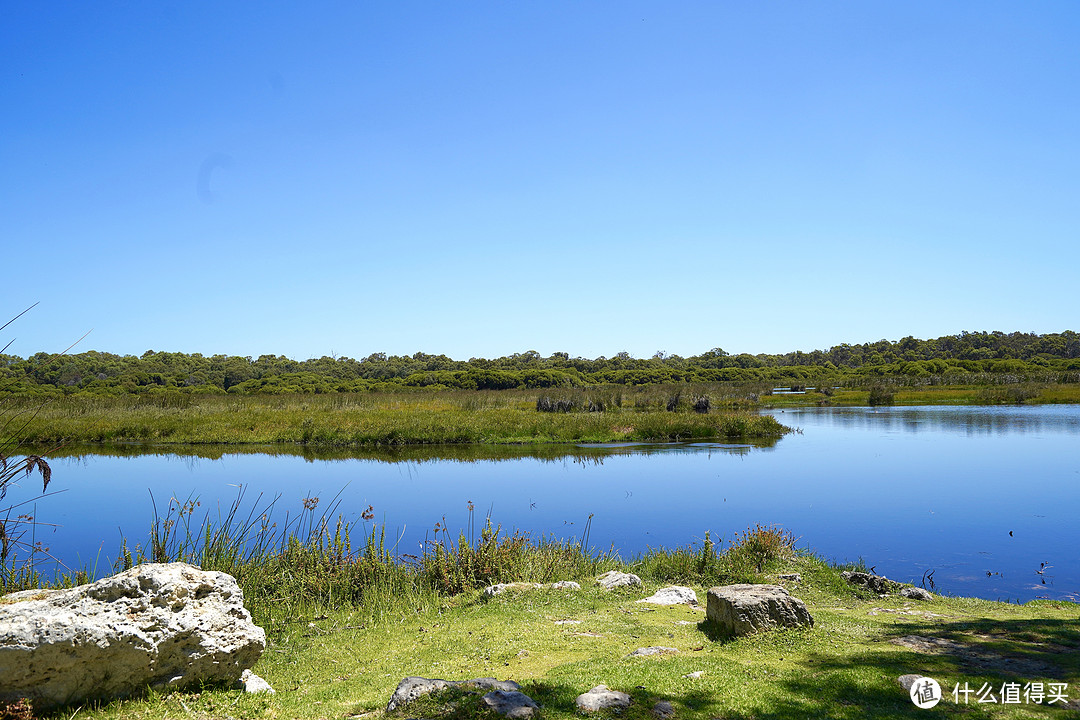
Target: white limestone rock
(154, 625)
(672, 595)
(565, 585)
(252, 683)
(615, 579)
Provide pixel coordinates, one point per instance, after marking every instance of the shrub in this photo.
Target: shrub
(879, 395)
(673, 402)
(562, 405)
(761, 545)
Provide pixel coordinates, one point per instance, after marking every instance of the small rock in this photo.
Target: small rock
(513, 704)
(602, 698)
(252, 683)
(614, 579)
(663, 709)
(565, 585)
(695, 675)
(654, 650)
(413, 687)
(672, 595)
(914, 593)
(567, 622)
(685, 622)
(906, 681)
(792, 577)
(874, 583)
(493, 590)
(491, 684)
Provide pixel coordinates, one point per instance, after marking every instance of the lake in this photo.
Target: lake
(985, 498)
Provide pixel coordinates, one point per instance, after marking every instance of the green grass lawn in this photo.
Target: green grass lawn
(345, 662)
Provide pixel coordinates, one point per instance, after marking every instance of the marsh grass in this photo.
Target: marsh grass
(20, 550)
(388, 419)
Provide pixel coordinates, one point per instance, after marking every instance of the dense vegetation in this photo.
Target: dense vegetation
(967, 358)
(385, 419)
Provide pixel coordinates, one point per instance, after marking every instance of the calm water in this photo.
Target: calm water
(983, 497)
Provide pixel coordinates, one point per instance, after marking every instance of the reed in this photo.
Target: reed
(387, 419)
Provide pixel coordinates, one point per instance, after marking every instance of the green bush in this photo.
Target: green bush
(879, 395)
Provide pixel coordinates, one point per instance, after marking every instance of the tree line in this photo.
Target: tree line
(1016, 356)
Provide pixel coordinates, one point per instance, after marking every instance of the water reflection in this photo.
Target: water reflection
(984, 498)
(402, 453)
(978, 420)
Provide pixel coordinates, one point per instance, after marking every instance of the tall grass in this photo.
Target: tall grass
(315, 560)
(743, 560)
(20, 551)
(388, 419)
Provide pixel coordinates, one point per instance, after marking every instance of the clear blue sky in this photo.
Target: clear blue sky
(483, 178)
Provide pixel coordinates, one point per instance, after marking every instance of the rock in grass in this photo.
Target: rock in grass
(492, 590)
(565, 585)
(413, 687)
(746, 609)
(906, 681)
(252, 683)
(602, 698)
(511, 704)
(874, 583)
(654, 650)
(791, 577)
(663, 710)
(672, 595)
(156, 625)
(914, 593)
(615, 579)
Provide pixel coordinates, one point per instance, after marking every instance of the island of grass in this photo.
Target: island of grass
(387, 419)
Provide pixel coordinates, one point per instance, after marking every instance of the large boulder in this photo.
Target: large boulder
(157, 625)
(746, 609)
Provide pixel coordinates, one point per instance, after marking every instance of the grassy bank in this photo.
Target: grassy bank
(346, 622)
(381, 419)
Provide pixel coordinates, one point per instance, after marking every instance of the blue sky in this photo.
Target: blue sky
(483, 178)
